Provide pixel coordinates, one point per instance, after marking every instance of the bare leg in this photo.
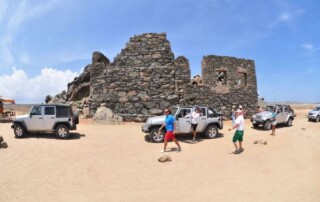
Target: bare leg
(177, 143)
(194, 135)
(235, 145)
(165, 145)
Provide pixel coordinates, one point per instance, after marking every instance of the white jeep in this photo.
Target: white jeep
(57, 118)
(285, 115)
(209, 123)
(314, 114)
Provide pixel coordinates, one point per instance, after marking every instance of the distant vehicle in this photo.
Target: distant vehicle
(314, 115)
(57, 118)
(210, 122)
(285, 115)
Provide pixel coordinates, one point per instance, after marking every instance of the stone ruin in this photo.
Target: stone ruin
(146, 77)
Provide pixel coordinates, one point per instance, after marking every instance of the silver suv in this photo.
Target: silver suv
(285, 115)
(57, 118)
(314, 114)
(210, 122)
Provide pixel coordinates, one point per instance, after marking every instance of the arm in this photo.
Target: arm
(163, 125)
(235, 126)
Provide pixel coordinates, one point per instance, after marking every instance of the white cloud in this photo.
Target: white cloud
(34, 90)
(308, 46)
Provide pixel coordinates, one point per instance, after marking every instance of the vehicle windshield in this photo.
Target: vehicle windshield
(174, 110)
(316, 109)
(270, 108)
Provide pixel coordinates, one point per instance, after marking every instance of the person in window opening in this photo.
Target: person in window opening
(170, 124)
(194, 122)
(221, 77)
(274, 122)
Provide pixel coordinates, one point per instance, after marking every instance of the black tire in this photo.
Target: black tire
(317, 119)
(156, 135)
(255, 125)
(289, 122)
(62, 131)
(19, 131)
(211, 132)
(267, 125)
(310, 120)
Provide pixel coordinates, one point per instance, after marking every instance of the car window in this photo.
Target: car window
(184, 113)
(203, 111)
(49, 110)
(36, 110)
(63, 111)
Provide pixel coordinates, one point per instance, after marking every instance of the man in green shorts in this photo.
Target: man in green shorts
(238, 135)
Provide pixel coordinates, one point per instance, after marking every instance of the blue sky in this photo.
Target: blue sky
(45, 44)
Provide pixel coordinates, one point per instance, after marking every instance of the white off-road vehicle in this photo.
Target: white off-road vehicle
(314, 115)
(57, 118)
(285, 115)
(209, 123)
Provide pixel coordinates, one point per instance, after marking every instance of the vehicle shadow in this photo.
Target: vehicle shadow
(279, 126)
(73, 136)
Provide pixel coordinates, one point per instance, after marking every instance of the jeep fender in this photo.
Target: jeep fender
(290, 117)
(58, 123)
(21, 123)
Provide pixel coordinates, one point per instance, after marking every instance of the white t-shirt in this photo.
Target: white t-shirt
(240, 121)
(194, 117)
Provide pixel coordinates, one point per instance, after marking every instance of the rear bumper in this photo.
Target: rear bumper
(145, 128)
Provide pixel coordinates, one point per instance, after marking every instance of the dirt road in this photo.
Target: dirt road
(115, 163)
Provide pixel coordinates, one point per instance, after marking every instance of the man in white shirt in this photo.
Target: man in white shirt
(238, 135)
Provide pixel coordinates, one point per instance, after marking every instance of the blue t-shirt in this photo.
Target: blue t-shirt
(170, 122)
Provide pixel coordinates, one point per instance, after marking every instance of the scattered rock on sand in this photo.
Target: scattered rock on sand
(164, 158)
(3, 144)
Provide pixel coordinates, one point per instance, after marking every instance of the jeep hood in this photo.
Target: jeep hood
(265, 114)
(22, 116)
(156, 119)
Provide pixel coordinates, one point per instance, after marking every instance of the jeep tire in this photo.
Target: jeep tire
(317, 119)
(156, 135)
(211, 131)
(289, 122)
(267, 125)
(62, 131)
(19, 131)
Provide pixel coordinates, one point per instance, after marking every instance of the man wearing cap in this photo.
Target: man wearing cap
(238, 135)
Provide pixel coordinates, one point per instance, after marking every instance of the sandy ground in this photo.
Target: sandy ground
(115, 163)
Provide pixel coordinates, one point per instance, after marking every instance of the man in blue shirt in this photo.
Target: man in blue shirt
(170, 124)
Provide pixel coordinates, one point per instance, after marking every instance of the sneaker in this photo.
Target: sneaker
(237, 151)
(179, 150)
(161, 151)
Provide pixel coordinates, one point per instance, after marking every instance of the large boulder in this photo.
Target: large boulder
(104, 115)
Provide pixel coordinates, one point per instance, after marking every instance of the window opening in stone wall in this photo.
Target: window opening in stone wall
(222, 77)
(242, 80)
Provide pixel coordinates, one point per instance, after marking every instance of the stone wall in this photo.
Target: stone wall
(145, 78)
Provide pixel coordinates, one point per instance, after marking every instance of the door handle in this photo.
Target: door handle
(52, 117)
(188, 122)
(40, 118)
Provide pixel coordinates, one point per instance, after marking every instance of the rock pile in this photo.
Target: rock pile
(3, 144)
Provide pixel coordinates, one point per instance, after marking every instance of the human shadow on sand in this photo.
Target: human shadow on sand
(187, 138)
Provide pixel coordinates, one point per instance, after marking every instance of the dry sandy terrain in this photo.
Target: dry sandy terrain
(115, 163)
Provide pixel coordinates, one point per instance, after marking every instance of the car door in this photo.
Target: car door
(183, 120)
(202, 120)
(49, 117)
(280, 114)
(35, 123)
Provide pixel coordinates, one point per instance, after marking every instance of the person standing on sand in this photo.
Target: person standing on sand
(274, 121)
(238, 135)
(194, 122)
(170, 124)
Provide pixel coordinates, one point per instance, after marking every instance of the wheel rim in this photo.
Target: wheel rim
(19, 131)
(268, 126)
(317, 119)
(212, 132)
(157, 136)
(290, 122)
(62, 132)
